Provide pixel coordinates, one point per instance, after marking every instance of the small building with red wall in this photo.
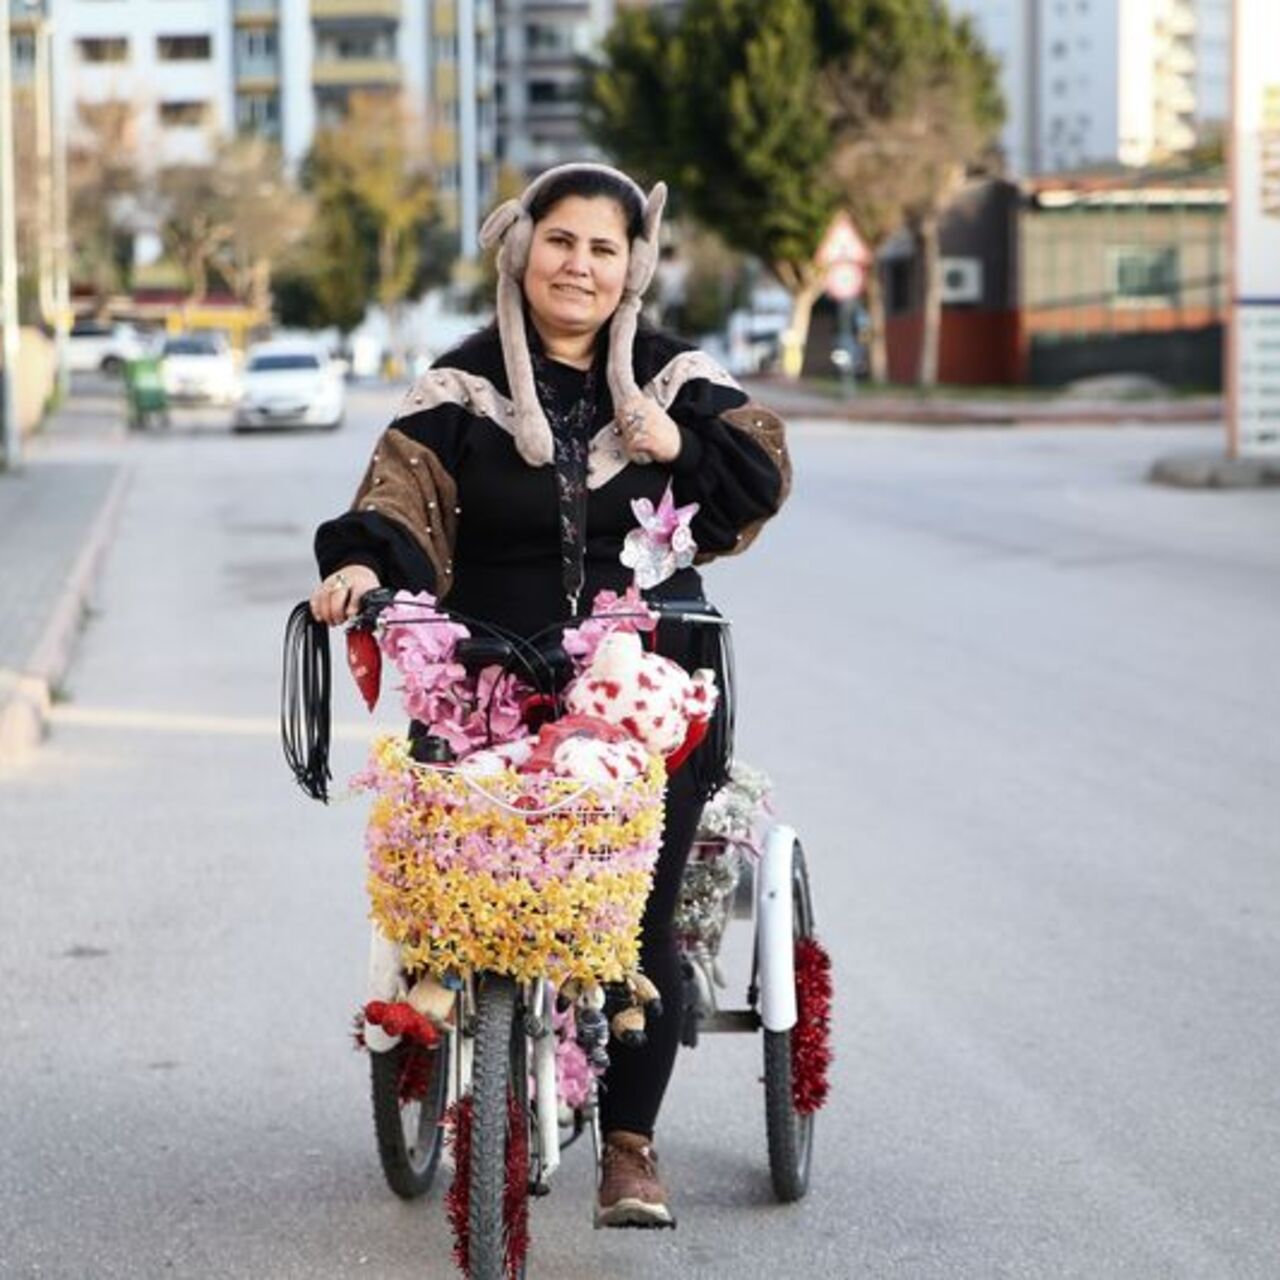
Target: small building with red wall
(1056, 279)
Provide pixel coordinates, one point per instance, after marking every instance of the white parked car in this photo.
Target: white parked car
(95, 347)
(290, 383)
(199, 367)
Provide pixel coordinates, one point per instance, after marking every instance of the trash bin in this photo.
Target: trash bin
(144, 392)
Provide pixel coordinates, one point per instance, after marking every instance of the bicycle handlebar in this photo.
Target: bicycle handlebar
(373, 603)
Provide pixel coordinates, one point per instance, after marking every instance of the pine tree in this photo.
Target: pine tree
(726, 107)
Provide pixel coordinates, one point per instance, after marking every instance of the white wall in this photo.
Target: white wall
(1135, 137)
(297, 98)
(144, 79)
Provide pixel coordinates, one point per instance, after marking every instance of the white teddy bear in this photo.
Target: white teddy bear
(653, 698)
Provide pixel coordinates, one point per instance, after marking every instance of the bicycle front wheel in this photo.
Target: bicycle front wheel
(790, 1133)
(499, 1174)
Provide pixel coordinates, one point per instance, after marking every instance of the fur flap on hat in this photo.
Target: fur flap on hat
(510, 227)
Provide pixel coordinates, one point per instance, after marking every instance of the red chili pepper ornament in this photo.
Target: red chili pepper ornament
(365, 660)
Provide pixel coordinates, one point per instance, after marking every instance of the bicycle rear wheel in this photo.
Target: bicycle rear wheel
(410, 1087)
(789, 1132)
(499, 1175)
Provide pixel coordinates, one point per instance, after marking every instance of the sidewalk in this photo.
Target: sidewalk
(808, 401)
(56, 516)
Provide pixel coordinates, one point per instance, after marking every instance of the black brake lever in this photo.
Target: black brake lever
(372, 604)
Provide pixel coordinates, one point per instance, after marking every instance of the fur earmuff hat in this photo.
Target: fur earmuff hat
(510, 227)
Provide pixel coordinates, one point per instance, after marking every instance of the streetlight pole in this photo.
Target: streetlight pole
(61, 235)
(12, 437)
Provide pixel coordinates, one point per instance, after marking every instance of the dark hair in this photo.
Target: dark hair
(591, 184)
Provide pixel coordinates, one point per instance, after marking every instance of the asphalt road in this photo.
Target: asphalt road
(1023, 707)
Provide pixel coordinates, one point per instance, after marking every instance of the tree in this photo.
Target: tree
(371, 173)
(711, 282)
(266, 216)
(31, 215)
(105, 192)
(727, 106)
(914, 103)
(197, 221)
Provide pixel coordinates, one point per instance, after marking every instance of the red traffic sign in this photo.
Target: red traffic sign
(844, 281)
(844, 256)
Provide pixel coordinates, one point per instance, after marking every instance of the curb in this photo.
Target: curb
(1213, 471)
(893, 414)
(26, 694)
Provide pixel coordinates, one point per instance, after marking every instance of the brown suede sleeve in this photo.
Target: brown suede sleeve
(766, 429)
(406, 482)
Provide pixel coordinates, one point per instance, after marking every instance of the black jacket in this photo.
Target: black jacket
(448, 505)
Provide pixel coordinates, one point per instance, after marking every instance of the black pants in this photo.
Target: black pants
(633, 1087)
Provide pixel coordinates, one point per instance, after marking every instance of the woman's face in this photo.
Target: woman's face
(577, 265)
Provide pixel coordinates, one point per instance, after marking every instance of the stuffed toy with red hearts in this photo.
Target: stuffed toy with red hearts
(654, 699)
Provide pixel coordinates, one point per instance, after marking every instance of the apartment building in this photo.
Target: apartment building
(539, 44)
(1099, 81)
(462, 111)
(173, 61)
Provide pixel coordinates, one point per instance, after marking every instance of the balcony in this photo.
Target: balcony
(257, 75)
(445, 86)
(444, 145)
(355, 72)
(256, 13)
(444, 18)
(338, 10)
(21, 18)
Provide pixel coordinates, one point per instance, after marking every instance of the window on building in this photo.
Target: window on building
(1144, 274)
(184, 48)
(103, 49)
(356, 44)
(332, 107)
(445, 48)
(183, 113)
(258, 113)
(23, 48)
(548, 91)
(548, 38)
(256, 44)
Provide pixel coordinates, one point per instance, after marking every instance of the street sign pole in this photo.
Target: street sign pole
(12, 440)
(844, 259)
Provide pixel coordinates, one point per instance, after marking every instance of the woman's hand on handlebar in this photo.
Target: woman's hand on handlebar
(338, 597)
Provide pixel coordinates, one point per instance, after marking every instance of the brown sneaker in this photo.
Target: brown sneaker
(631, 1193)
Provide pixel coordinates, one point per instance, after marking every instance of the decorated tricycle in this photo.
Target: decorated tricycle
(511, 843)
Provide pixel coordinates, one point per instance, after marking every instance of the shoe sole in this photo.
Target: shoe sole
(634, 1213)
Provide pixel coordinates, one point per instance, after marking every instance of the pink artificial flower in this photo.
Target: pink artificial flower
(610, 612)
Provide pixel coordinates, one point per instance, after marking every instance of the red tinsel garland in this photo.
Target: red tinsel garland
(515, 1197)
(811, 1036)
(417, 1068)
(457, 1200)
